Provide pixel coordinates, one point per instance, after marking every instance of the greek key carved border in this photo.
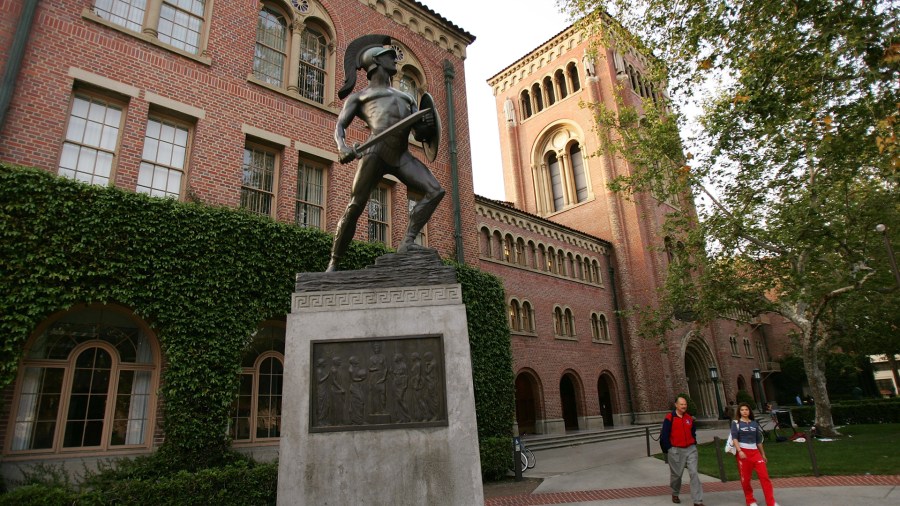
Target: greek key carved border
(383, 297)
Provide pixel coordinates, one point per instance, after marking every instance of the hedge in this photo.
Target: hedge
(203, 277)
(851, 413)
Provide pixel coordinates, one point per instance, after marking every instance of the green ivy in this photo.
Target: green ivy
(203, 277)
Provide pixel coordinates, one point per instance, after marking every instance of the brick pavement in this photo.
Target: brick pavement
(662, 490)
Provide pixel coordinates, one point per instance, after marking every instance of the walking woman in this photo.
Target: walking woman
(748, 438)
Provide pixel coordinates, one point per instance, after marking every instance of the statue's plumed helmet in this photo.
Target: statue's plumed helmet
(367, 60)
(361, 54)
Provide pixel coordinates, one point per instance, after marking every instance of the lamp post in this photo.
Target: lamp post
(714, 375)
(882, 229)
(759, 387)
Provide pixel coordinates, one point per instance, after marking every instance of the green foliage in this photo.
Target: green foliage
(744, 396)
(204, 278)
(496, 457)
(39, 495)
(852, 412)
(795, 151)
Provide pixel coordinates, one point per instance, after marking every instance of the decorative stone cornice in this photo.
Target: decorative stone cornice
(541, 227)
(425, 22)
(341, 300)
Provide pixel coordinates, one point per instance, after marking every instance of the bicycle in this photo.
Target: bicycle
(526, 455)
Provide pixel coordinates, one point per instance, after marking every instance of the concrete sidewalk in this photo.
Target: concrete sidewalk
(618, 473)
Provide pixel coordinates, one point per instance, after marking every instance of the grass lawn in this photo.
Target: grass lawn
(862, 449)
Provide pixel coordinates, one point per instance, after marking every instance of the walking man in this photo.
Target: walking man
(678, 439)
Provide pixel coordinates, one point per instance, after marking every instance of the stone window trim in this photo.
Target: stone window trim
(493, 248)
(318, 20)
(564, 323)
(308, 196)
(262, 146)
(521, 316)
(600, 328)
(149, 32)
(379, 230)
(561, 175)
(152, 366)
(164, 117)
(272, 332)
(111, 101)
(548, 90)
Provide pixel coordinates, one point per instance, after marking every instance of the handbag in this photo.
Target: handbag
(729, 445)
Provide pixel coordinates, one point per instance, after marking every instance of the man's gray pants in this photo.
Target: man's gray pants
(679, 458)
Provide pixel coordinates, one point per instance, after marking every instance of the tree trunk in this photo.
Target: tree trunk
(816, 377)
(892, 362)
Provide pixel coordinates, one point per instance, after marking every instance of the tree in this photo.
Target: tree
(794, 152)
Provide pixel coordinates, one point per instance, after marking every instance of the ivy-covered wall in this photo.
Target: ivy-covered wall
(204, 278)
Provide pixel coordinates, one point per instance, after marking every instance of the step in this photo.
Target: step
(545, 442)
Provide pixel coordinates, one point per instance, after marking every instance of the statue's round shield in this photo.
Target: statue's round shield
(433, 139)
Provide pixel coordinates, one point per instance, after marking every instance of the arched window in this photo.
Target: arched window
(544, 260)
(572, 70)
(595, 327)
(520, 252)
(548, 86)
(560, 263)
(595, 267)
(271, 46)
(527, 317)
(485, 239)
(515, 315)
(498, 241)
(313, 65)
(88, 381)
(569, 323)
(570, 265)
(556, 181)
(581, 185)
(538, 97)
(256, 412)
(560, 79)
(551, 261)
(508, 248)
(734, 345)
(588, 274)
(632, 77)
(532, 256)
(526, 104)
(748, 348)
(558, 321)
(604, 329)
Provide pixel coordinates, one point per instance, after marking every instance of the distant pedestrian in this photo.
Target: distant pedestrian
(748, 438)
(678, 440)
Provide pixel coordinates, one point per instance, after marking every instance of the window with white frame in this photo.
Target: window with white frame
(256, 411)
(258, 179)
(87, 382)
(92, 139)
(313, 64)
(379, 215)
(310, 202)
(164, 158)
(271, 46)
(176, 23)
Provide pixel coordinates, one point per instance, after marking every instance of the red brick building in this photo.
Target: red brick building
(551, 176)
(223, 102)
(234, 103)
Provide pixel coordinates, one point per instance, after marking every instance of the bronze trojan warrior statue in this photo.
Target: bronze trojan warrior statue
(390, 114)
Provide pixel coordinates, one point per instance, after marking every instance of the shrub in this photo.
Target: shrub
(496, 457)
(852, 413)
(39, 494)
(744, 396)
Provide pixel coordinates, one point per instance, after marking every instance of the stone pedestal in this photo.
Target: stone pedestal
(378, 405)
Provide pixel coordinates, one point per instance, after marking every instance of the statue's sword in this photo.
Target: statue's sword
(412, 119)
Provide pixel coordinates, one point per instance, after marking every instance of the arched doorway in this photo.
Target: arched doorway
(697, 360)
(527, 403)
(605, 398)
(569, 400)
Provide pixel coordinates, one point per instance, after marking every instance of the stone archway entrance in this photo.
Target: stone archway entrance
(527, 403)
(697, 360)
(604, 394)
(569, 400)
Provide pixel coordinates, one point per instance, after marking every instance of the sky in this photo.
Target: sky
(504, 30)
